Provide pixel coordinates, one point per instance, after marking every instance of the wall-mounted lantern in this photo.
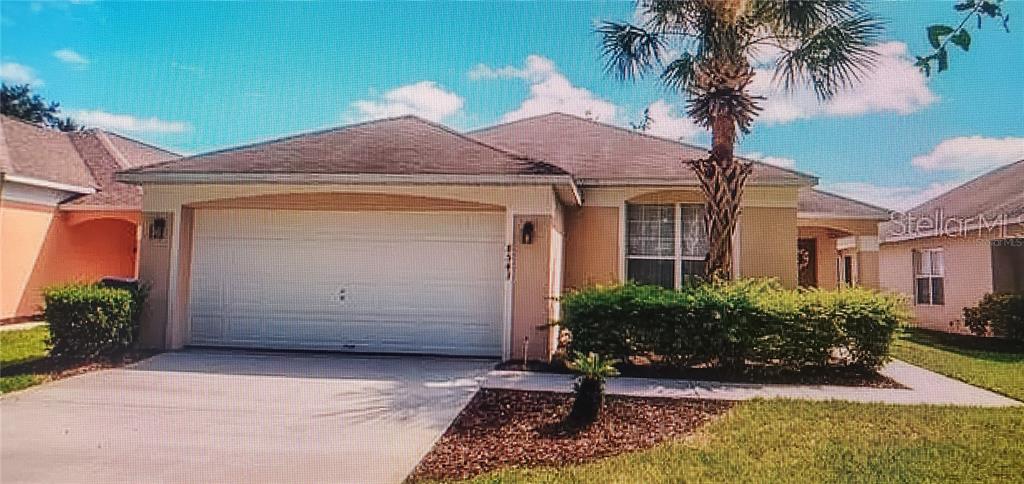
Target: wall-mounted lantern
(527, 235)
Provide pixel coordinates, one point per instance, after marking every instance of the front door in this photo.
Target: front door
(807, 259)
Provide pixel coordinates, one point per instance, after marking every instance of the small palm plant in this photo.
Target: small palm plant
(593, 370)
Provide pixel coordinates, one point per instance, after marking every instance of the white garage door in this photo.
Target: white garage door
(363, 281)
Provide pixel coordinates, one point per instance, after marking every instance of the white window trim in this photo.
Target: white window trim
(677, 246)
(941, 274)
(841, 270)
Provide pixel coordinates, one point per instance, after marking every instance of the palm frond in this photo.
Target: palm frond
(719, 90)
(629, 50)
(835, 56)
(797, 17)
(678, 74)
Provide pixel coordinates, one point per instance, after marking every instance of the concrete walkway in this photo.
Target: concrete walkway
(924, 388)
(17, 326)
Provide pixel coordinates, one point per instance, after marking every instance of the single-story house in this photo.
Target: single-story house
(402, 235)
(63, 217)
(948, 252)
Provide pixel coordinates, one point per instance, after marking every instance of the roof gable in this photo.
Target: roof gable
(592, 151)
(43, 154)
(814, 203)
(992, 199)
(396, 146)
(88, 159)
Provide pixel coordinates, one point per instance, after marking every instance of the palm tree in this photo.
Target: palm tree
(707, 51)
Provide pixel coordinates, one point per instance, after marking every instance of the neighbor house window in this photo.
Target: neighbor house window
(665, 244)
(929, 270)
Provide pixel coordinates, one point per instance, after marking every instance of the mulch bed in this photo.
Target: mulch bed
(57, 368)
(503, 428)
(840, 376)
(964, 341)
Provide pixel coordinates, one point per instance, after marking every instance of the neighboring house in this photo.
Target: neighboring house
(401, 235)
(948, 252)
(63, 217)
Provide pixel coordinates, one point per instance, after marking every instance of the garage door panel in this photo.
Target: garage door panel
(207, 329)
(395, 282)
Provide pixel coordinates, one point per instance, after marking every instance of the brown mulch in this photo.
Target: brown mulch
(502, 428)
(56, 368)
(836, 375)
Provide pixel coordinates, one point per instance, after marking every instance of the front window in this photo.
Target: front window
(665, 244)
(929, 271)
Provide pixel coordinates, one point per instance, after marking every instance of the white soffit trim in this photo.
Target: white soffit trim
(827, 215)
(356, 179)
(36, 182)
(848, 242)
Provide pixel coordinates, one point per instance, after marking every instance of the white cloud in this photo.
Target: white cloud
(971, 154)
(536, 69)
(666, 124)
(19, 74)
(69, 56)
(127, 122)
(894, 85)
(900, 197)
(779, 161)
(550, 91)
(424, 99)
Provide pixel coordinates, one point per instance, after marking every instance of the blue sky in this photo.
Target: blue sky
(199, 76)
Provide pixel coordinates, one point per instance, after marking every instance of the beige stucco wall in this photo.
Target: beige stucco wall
(532, 290)
(591, 246)
(868, 269)
(577, 246)
(177, 201)
(851, 226)
(968, 275)
(155, 270)
(768, 244)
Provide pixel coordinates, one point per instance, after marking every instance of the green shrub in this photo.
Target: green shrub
(999, 315)
(88, 320)
(867, 321)
(752, 321)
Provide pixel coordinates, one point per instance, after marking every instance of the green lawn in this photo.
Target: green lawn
(17, 347)
(999, 371)
(792, 441)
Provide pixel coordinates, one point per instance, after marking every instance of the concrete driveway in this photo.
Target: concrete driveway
(221, 416)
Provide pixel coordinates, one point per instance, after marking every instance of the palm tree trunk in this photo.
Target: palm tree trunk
(722, 178)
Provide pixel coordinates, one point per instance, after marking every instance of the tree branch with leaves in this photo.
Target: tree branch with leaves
(940, 35)
(18, 101)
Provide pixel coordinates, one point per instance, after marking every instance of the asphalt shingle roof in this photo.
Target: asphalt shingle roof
(997, 196)
(814, 201)
(43, 154)
(89, 159)
(397, 146)
(594, 151)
